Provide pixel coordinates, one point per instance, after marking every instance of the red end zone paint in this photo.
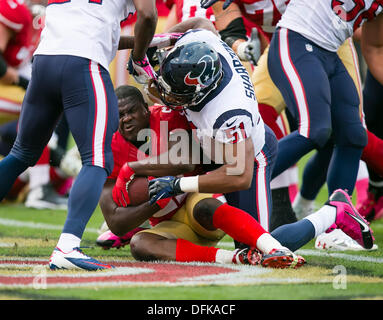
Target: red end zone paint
(26, 272)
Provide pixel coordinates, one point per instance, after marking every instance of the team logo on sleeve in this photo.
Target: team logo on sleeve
(205, 71)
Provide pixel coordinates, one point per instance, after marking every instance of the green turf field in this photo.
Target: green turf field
(30, 235)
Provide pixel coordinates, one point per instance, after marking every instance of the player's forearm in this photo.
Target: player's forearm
(374, 62)
(126, 42)
(121, 220)
(145, 27)
(372, 46)
(224, 180)
(194, 23)
(125, 219)
(160, 170)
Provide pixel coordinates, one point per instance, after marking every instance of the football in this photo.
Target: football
(138, 191)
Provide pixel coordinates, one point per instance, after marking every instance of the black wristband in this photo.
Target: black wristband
(23, 82)
(234, 31)
(3, 65)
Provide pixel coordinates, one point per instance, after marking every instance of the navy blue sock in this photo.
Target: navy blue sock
(343, 169)
(83, 199)
(294, 235)
(290, 149)
(10, 169)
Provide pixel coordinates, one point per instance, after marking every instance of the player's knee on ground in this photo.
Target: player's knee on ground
(204, 210)
(142, 247)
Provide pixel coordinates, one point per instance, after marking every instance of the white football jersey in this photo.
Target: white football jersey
(230, 113)
(84, 28)
(328, 23)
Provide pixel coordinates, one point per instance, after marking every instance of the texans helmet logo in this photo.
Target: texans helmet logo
(207, 72)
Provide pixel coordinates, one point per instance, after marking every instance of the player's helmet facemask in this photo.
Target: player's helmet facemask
(188, 74)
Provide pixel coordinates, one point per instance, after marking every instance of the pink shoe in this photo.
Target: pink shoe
(109, 240)
(349, 220)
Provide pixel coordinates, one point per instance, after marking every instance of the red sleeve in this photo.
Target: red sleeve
(14, 15)
(123, 151)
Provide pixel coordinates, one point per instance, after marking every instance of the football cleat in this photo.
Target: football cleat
(109, 240)
(349, 220)
(281, 259)
(337, 240)
(248, 256)
(277, 258)
(45, 197)
(75, 259)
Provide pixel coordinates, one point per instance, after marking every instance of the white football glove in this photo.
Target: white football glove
(141, 70)
(71, 162)
(251, 49)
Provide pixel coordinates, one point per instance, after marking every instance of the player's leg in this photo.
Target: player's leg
(313, 178)
(90, 107)
(338, 212)
(293, 62)
(40, 112)
(349, 133)
(257, 199)
(372, 99)
(193, 232)
(271, 105)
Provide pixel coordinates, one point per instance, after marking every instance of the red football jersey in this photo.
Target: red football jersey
(124, 151)
(186, 9)
(15, 15)
(264, 13)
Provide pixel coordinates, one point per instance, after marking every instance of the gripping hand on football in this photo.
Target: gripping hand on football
(120, 189)
(208, 3)
(164, 187)
(141, 70)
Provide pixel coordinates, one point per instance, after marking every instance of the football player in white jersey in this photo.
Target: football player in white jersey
(303, 49)
(202, 74)
(70, 75)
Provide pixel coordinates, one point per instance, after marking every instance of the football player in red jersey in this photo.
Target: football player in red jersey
(182, 230)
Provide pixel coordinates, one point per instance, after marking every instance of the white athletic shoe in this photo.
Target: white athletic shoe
(75, 259)
(337, 240)
(45, 197)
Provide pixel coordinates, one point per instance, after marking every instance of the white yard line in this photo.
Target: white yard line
(36, 225)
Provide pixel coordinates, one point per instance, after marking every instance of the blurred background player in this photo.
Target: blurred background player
(81, 88)
(20, 28)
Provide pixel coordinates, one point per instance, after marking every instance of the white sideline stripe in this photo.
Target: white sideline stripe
(345, 256)
(36, 225)
(308, 252)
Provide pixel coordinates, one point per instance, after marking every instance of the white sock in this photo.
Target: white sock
(266, 243)
(302, 207)
(224, 256)
(68, 241)
(38, 175)
(322, 219)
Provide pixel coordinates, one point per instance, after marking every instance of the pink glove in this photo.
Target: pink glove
(141, 70)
